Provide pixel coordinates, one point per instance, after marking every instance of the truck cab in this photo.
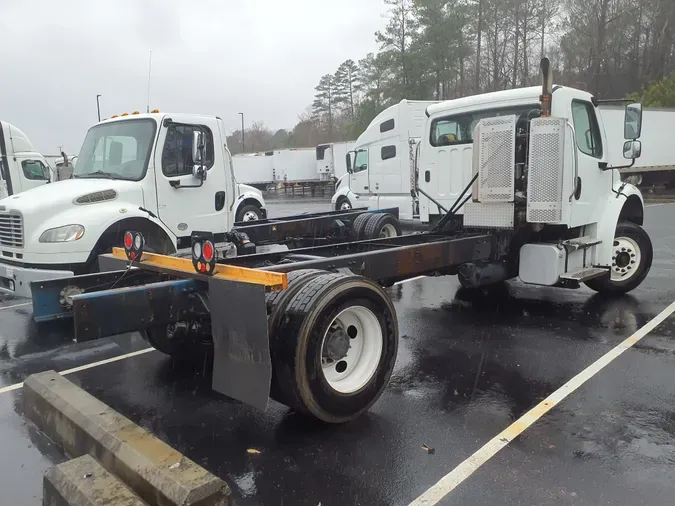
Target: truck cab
(166, 175)
(21, 166)
(381, 166)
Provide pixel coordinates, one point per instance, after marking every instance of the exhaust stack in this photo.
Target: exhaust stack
(546, 87)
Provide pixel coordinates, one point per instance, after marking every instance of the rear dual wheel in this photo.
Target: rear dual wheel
(375, 225)
(334, 350)
(333, 343)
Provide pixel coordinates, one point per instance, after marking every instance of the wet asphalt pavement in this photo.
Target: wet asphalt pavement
(468, 366)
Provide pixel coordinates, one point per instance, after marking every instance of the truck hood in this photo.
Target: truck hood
(50, 199)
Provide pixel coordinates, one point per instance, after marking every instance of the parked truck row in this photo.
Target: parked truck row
(312, 327)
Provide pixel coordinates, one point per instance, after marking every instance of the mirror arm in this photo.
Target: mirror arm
(607, 166)
(176, 184)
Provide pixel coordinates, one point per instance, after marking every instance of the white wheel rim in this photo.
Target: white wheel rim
(346, 205)
(388, 231)
(351, 349)
(250, 216)
(626, 258)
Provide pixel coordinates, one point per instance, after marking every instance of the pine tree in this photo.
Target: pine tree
(347, 85)
(324, 100)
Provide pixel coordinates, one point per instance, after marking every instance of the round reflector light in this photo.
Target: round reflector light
(197, 250)
(208, 251)
(138, 241)
(128, 240)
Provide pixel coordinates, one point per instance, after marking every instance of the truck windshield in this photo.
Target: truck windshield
(117, 150)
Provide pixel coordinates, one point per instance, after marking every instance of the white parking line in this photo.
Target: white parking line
(454, 478)
(16, 386)
(16, 305)
(409, 280)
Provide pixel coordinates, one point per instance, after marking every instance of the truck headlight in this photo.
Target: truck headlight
(67, 233)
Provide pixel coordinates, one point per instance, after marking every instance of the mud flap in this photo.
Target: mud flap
(242, 367)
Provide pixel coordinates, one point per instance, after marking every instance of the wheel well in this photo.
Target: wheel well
(249, 201)
(156, 239)
(632, 211)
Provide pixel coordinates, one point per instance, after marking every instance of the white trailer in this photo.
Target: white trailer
(255, 169)
(658, 162)
(331, 159)
(295, 165)
(382, 164)
(21, 166)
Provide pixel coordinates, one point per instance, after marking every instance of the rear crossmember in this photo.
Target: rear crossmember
(310, 327)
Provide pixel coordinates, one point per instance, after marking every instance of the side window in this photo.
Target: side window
(587, 129)
(385, 126)
(35, 170)
(388, 152)
(177, 152)
(361, 160)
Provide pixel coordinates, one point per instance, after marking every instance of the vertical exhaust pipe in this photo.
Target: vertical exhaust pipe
(546, 87)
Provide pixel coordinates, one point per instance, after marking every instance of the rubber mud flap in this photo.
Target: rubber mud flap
(242, 368)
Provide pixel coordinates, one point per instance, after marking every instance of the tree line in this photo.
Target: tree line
(444, 49)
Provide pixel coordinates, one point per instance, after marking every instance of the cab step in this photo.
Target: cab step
(584, 242)
(584, 274)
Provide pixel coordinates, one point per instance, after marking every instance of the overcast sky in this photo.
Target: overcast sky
(221, 57)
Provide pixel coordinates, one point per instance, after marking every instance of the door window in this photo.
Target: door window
(177, 152)
(35, 170)
(361, 161)
(587, 129)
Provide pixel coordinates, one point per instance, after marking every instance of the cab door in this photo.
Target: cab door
(33, 173)
(186, 203)
(359, 178)
(593, 184)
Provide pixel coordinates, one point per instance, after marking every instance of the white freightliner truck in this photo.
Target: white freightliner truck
(132, 171)
(542, 204)
(381, 172)
(21, 166)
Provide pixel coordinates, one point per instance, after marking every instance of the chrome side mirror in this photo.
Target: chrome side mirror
(632, 149)
(632, 124)
(197, 146)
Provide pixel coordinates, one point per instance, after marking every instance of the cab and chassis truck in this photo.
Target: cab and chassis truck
(314, 328)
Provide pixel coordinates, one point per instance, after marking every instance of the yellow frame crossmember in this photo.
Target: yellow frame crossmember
(273, 280)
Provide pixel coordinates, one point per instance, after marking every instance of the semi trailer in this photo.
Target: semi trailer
(313, 328)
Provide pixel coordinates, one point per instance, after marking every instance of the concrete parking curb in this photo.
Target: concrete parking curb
(84, 482)
(81, 424)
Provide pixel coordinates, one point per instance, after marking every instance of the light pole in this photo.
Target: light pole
(243, 148)
(98, 107)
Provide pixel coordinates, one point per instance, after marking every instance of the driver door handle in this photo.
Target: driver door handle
(365, 187)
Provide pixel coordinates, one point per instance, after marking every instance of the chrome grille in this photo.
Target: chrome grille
(11, 229)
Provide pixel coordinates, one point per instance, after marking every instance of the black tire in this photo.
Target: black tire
(185, 348)
(638, 235)
(380, 224)
(166, 339)
(249, 208)
(359, 226)
(340, 202)
(297, 346)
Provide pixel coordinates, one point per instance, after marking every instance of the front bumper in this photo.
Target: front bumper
(16, 280)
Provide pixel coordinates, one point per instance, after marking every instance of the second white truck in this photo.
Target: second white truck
(134, 171)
